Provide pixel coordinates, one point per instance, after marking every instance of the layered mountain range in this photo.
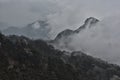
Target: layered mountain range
(22, 58)
(40, 30)
(97, 38)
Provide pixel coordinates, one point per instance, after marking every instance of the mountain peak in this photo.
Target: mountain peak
(87, 24)
(91, 20)
(37, 30)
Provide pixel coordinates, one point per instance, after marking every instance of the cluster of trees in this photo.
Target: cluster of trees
(25, 59)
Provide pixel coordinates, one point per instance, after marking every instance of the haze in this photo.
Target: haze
(63, 14)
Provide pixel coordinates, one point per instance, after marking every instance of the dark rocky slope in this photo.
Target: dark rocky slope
(25, 59)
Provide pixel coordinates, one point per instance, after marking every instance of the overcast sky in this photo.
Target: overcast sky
(58, 12)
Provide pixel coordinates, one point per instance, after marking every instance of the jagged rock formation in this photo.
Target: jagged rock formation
(25, 59)
(89, 22)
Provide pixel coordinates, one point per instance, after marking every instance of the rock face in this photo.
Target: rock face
(64, 38)
(35, 30)
(25, 59)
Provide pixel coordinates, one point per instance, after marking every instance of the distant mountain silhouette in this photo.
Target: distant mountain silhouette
(35, 30)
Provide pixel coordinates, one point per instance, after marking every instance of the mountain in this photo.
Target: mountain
(89, 22)
(64, 38)
(36, 30)
(24, 59)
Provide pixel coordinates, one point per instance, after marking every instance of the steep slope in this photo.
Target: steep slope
(35, 30)
(63, 39)
(25, 59)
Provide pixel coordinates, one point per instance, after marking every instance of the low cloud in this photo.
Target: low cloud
(102, 40)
